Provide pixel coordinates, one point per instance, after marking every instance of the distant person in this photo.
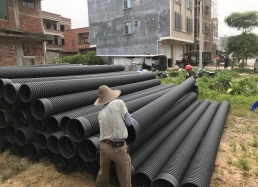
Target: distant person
(226, 62)
(254, 106)
(217, 58)
(191, 73)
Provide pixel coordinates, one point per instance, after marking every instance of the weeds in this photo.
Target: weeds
(254, 143)
(244, 163)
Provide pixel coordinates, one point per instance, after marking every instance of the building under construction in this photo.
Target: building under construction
(209, 26)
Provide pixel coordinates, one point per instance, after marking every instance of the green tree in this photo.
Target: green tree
(244, 45)
(245, 21)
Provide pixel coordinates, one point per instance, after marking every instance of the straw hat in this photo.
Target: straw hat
(106, 95)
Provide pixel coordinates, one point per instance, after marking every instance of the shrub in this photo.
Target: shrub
(86, 59)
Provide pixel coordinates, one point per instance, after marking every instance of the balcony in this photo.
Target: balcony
(55, 47)
(53, 32)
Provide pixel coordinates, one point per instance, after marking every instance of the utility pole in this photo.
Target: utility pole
(200, 37)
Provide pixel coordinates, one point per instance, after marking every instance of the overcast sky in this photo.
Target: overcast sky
(77, 11)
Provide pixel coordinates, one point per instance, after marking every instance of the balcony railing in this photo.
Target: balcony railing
(55, 47)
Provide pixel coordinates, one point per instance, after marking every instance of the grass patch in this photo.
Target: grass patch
(244, 163)
(11, 165)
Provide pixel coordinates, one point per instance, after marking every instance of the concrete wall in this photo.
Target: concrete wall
(51, 57)
(154, 17)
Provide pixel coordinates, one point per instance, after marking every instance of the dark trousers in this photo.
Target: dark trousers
(120, 156)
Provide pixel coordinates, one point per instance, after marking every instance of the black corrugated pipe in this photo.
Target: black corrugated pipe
(34, 152)
(67, 147)
(173, 112)
(63, 165)
(65, 117)
(151, 112)
(24, 136)
(36, 125)
(1, 146)
(5, 118)
(94, 169)
(87, 148)
(82, 165)
(50, 156)
(6, 145)
(9, 132)
(55, 71)
(20, 151)
(15, 106)
(2, 133)
(11, 92)
(83, 127)
(52, 141)
(44, 107)
(13, 85)
(41, 139)
(20, 117)
(31, 91)
(199, 172)
(155, 160)
(174, 170)
(2, 103)
(158, 132)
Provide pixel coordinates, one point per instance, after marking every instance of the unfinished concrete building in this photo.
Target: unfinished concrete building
(136, 27)
(209, 27)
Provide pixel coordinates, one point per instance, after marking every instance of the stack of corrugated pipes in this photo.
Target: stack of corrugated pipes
(49, 111)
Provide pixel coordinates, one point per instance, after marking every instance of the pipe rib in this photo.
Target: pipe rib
(199, 172)
(174, 170)
(24, 136)
(83, 127)
(149, 113)
(63, 118)
(20, 117)
(44, 107)
(82, 165)
(14, 84)
(34, 72)
(31, 91)
(67, 147)
(156, 161)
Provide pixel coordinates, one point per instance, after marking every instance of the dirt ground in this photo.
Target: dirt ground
(235, 144)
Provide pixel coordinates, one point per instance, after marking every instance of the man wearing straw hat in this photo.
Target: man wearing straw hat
(113, 119)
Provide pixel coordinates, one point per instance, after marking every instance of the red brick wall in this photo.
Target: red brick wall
(8, 56)
(30, 18)
(10, 23)
(8, 53)
(73, 34)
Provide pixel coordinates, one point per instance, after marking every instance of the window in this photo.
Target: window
(49, 42)
(189, 25)
(29, 3)
(62, 27)
(178, 1)
(72, 41)
(86, 39)
(63, 42)
(109, 24)
(127, 4)
(137, 24)
(128, 27)
(207, 10)
(55, 27)
(3, 10)
(48, 25)
(56, 40)
(189, 4)
(178, 21)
